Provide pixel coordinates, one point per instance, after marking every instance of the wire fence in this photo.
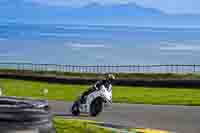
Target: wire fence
(103, 68)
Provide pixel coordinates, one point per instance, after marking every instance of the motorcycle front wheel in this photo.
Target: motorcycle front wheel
(96, 107)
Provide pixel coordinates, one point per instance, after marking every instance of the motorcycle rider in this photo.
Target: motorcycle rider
(107, 83)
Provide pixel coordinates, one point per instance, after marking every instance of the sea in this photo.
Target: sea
(98, 44)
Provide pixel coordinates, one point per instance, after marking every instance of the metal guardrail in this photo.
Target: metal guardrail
(103, 68)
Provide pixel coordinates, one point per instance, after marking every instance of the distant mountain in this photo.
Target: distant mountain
(94, 13)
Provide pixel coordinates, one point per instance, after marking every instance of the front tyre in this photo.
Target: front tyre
(75, 109)
(96, 107)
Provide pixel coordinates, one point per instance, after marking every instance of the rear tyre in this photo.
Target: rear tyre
(96, 107)
(75, 109)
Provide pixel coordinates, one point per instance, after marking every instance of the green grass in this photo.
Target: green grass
(77, 126)
(143, 76)
(138, 95)
(83, 126)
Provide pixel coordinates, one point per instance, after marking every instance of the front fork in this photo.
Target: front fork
(84, 108)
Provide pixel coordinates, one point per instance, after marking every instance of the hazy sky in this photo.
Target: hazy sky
(169, 6)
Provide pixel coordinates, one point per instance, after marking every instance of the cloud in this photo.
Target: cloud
(87, 45)
(7, 55)
(74, 3)
(169, 6)
(180, 47)
(3, 39)
(78, 2)
(173, 6)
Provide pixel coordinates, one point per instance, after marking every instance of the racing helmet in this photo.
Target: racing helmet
(110, 77)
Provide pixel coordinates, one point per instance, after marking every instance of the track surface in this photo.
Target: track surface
(179, 119)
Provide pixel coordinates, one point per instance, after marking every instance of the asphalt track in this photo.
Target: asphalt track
(178, 119)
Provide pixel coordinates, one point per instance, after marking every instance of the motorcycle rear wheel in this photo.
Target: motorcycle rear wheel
(75, 109)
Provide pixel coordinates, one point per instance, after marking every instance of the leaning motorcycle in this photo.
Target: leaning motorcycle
(94, 102)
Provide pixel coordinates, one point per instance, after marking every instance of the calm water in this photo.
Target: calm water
(75, 44)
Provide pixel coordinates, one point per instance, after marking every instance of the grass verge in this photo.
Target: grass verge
(77, 126)
(83, 126)
(136, 95)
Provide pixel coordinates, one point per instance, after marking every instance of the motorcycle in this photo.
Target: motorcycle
(94, 102)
